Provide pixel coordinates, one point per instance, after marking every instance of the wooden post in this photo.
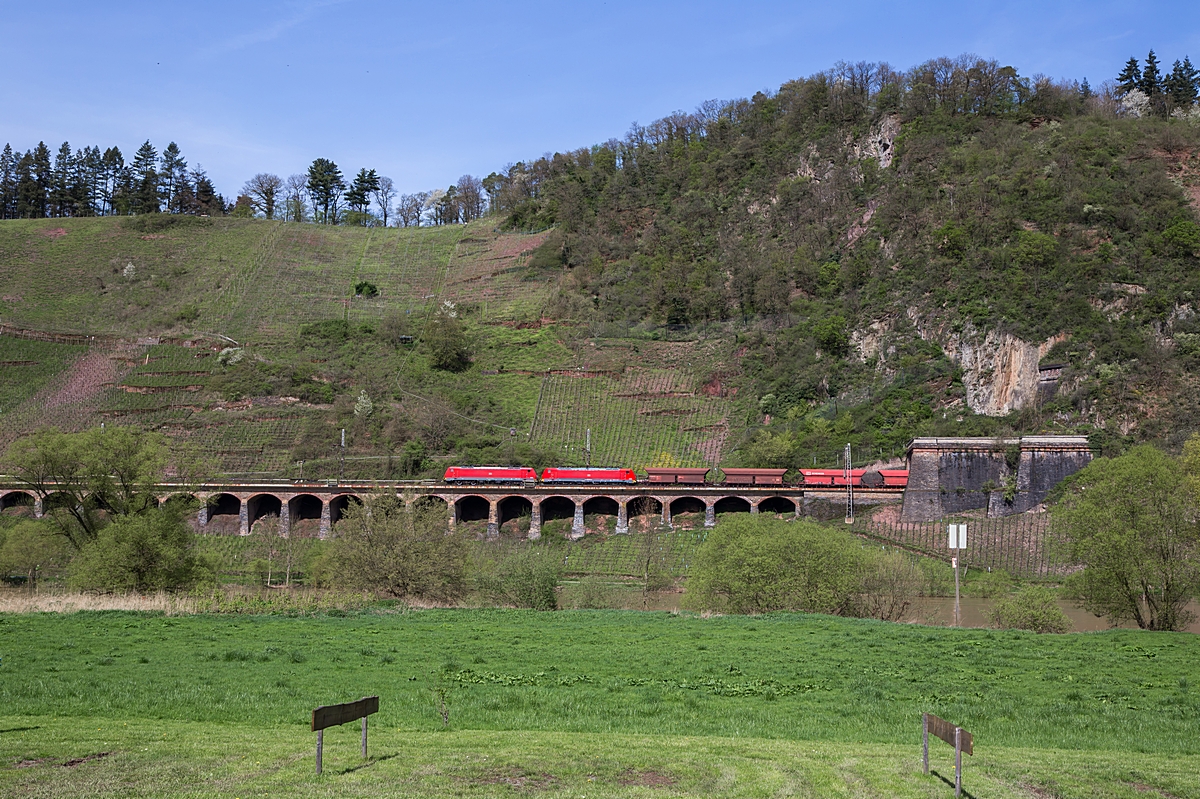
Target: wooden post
(364, 720)
(320, 736)
(958, 761)
(925, 741)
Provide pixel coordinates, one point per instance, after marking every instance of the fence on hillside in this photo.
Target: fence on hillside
(1022, 545)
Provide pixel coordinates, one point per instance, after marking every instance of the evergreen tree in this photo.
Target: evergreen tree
(64, 188)
(114, 179)
(173, 171)
(1130, 77)
(207, 201)
(145, 179)
(1181, 85)
(27, 191)
(358, 197)
(8, 183)
(91, 166)
(34, 179)
(325, 187)
(1151, 82)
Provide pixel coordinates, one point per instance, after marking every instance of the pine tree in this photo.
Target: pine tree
(325, 187)
(27, 190)
(91, 169)
(1151, 82)
(1130, 77)
(63, 186)
(207, 202)
(1189, 83)
(113, 178)
(174, 169)
(8, 183)
(43, 181)
(145, 177)
(358, 197)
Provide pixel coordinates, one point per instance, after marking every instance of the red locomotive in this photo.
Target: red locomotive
(489, 474)
(589, 475)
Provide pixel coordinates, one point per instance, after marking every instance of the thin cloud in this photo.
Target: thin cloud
(306, 12)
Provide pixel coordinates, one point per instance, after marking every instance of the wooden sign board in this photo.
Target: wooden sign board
(945, 730)
(333, 715)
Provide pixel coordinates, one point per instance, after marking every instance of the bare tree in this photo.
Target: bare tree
(383, 197)
(263, 190)
(410, 208)
(471, 200)
(295, 198)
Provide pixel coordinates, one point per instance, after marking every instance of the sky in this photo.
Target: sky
(426, 92)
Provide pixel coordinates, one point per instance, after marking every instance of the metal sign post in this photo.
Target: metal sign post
(958, 542)
(960, 739)
(333, 715)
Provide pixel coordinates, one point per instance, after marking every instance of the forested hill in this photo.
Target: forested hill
(863, 256)
(925, 240)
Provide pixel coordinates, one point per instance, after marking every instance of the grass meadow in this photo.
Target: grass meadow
(595, 703)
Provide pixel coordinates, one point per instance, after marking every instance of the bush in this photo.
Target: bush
(152, 551)
(1032, 609)
(524, 577)
(30, 547)
(889, 585)
(989, 584)
(754, 564)
(384, 546)
(593, 593)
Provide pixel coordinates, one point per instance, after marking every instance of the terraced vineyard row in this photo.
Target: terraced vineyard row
(242, 444)
(646, 418)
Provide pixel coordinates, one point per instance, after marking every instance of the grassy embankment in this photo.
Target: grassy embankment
(586, 703)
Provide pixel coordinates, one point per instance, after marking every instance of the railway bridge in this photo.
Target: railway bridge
(312, 508)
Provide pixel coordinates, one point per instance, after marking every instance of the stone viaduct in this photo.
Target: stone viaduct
(234, 508)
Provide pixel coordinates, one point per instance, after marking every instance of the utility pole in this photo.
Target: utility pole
(589, 447)
(849, 487)
(342, 459)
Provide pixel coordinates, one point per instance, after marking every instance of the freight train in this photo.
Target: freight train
(808, 478)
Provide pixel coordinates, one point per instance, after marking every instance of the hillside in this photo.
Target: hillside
(153, 301)
(759, 282)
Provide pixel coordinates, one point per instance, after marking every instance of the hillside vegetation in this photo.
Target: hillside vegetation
(859, 257)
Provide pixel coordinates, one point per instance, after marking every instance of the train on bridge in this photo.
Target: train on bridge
(808, 478)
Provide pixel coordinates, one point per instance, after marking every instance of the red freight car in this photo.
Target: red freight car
(894, 478)
(489, 474)
(676, 475)
(756, 477)
(831, 477)
(570, 475)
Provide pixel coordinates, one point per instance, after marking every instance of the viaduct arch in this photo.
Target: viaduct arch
(312, 509)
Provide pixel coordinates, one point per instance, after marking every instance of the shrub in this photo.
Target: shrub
(521, 577)
(593, 593)
(152, 551)
(384, 546)
(889, 585)
(990, 584)
(1032, 609)
(754, 564)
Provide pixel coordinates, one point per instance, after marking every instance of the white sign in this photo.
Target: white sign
(958, 536)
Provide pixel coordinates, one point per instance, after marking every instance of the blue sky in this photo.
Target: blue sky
(425, 92)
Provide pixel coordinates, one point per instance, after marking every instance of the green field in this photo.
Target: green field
(603, 703)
